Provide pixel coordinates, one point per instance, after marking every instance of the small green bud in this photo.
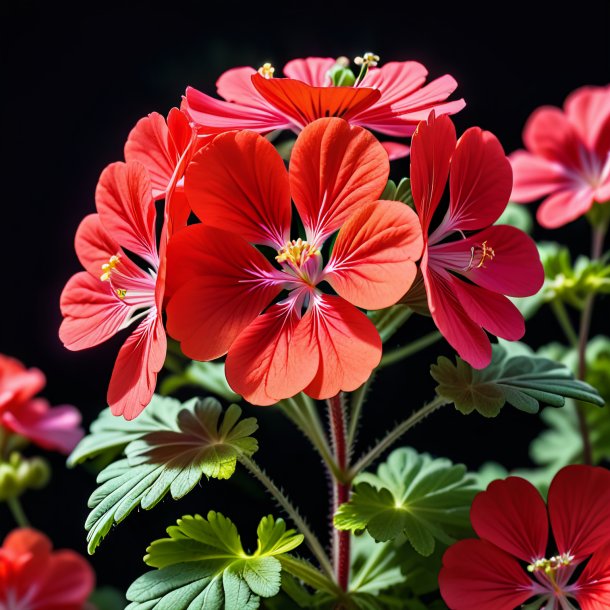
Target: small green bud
(341, 76)
(9, 484)
(38, 473)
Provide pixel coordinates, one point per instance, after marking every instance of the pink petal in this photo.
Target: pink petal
(134, 376)
(588, 109)
(127, 210)
(396, 150)
(565, 206)
(512, 515)
(349, 347)
(373, 259)
(579, 506)
(534, 177)
(335, 169)
(275, 357)
(592, 591)
(477, 575)
(235, 85)
(431, 150)
(18, 384)
(311, 70)
(239, 184)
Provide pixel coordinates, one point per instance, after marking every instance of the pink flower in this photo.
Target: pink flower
(467, 276)
(567, 159)
(512, 521)
(55, 428)
(114, 292)
(391, 99)
(34, 577)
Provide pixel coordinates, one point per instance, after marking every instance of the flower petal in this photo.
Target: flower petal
(396, 150)
(565, 206)
(477, 575)
(303, 103)
(55, 428)
(512, 515)
(349, 347)
(310, 70)
(127, 210)
(92, 312)
(579, 506)
(218, 284)
(134, 376)
(239, 184)
(275, 357)
(373, 259)
(235, 85)
(592, 590)
(334, 170)
(431, 150)
(588, 109)
(534, 177)
(18, 384)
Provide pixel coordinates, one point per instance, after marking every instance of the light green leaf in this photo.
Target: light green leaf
(517, 215)
(204, 565)
(524, 381)
(413, 494)
(403, 192)
(170, 461)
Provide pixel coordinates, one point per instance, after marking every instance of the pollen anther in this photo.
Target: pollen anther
(296, 252)
(266, 70)
(108, 268)
(551, 565)
(121, 293)
(483, 251)
(368, 59)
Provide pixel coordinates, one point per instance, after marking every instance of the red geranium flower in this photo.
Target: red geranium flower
(467, 277)
(114, 292)
(569, 157)
(511, 563)
(220, 283)
(34, 577)
(56, 428)
(391, 99)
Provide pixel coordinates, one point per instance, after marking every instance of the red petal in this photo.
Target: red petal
(134, 376)
(579, 506)
(565, 206)
(127, 210)
(275, 357)
(592, 591)
(92, 312)
(431, 149)
(373, 259)
(218, 285)
(511, 514)
(29, 551)
(481, 180)
(239, 184)
(396, 150)
(349, 347)
(18, 384)
(334, 170)
(534, 177)
(311, 70)
(588, 109)
(478, 575)
(304, 104)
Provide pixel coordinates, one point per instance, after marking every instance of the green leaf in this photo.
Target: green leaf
(521, 379)
(389, 192)
(403, 192)
(171, 460)
(413, 494)
(517, 215)
(110, 434)
(107, 598)
(204, 565)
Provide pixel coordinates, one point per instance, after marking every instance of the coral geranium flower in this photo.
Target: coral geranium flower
(567, 158)
(56, 428)
(114, 292)
(512, 563)
(220, 283)
(467, 276)
(391, 99)
(34, 577)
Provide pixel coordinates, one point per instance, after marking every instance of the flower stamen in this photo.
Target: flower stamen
(108, 268)
(266, 70)
(482, 253)
(552, 565)
(297, 252)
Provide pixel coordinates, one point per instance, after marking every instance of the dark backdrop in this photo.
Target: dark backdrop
(76, 80)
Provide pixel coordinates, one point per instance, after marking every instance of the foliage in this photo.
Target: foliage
(398, 192)
(518, 216)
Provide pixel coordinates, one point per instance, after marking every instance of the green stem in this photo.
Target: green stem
(392, 436)
(18, 513)
(356, 403)
(408, 350)
(389, 320)
(310, 538)
(561, 314)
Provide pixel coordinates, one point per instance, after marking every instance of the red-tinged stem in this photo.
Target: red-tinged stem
(341, 539)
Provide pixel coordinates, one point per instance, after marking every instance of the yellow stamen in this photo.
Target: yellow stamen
(296, 252)
(368, 59)
(552, 565)
(484, 251)
(109, 267)
(266, 70)
(121, 293)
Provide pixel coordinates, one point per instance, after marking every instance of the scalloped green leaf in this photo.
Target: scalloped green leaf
(204, 565)
(171, 460)
(517, 377)
(424, 499)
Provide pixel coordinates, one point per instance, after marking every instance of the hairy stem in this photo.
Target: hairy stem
(392, 436)
(561, 314)
(405, 351)
(310, 538)
(18, 513)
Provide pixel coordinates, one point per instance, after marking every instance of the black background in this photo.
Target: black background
(76, 80)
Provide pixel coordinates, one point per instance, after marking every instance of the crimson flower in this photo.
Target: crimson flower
(391, 99)
(467, 276)
(220, 283)
(512, 563)
(56, 428)
(567, 158)
(114, 292)
(34, 577)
